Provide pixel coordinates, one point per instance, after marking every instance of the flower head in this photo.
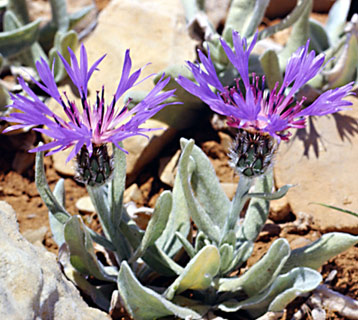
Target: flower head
(254, 108)
(86, 125)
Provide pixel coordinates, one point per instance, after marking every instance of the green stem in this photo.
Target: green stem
(237, 203)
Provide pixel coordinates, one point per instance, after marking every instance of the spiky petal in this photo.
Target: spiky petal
(270, 112)
(85, 125)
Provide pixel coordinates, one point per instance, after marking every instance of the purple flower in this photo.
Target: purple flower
(272, 112)
(87, 125)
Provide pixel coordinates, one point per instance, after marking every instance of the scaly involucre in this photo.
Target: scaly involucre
(254, 108)
(86, 125)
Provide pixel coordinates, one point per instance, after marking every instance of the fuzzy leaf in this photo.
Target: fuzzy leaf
(272, 196)
(207, 188)
(14, 42)
(337, 19)
(100, 295)
(318, 252)
(156, 224)
(59, 14)
(178, 221)
(186, 245)
(145, 304)
(19, 9)
(244, 17)
(201, 218)
(53, 205)
(262, 273)
(57, 227)
(117, 186)
(319, 38)
(241, 255)
(198, 273)
(226, 256)
(82, 254)
(270, 65)
(282, 291)
(345, 66)
(258, 210)
(288, 21)
(298, 37)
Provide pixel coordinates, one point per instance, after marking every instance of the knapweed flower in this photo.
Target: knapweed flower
(86, 127)
(262, 116)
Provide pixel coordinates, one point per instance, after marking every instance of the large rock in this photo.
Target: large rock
(322, 161)
(31, 283)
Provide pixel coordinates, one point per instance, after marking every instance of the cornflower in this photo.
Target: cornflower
(87, 128)
(262, 117)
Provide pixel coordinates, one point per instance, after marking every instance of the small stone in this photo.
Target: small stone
(84, 205)
(168, 168)
(35, 236)
(279, 210)
(299, 243)
(225, 140)
(229, 189)
(133, 193)
(60, 165)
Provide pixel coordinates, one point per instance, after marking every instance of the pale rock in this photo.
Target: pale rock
(133, 193)
(32, 285)
(322, 162)
(168, 168)
(229, 188)
(279, 209)
(85, 205)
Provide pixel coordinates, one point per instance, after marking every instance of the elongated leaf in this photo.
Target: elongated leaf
(178, 221)
(14, 42)
(319, 38)
(45, 192)
(156, 258)
(207, 188)
(337, 19)
(318, 252)
(156, 224)
(262, 273)
(288, 21)
(82, 254)
(19, 8)
(226, 256)
(299, 35)
(59, 14)
(272, 196)
(337, 208)
(258, 210)
(240, 255)
(117, 186)
(145, 304)
(244, 17)
(186, 245)
(100, 295)
(270, 65)
(283, 290)
(198, 273)
(198, 213)
(57, 227)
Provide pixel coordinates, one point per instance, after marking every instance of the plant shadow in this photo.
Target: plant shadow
(311, 138)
